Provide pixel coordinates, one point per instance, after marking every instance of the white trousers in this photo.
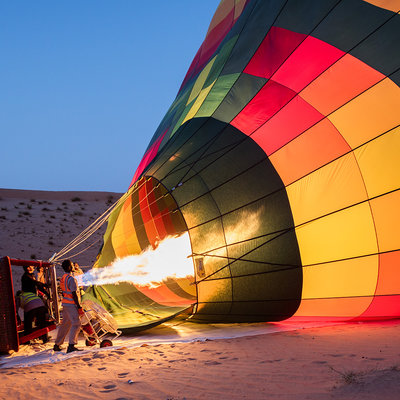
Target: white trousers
(71, 323)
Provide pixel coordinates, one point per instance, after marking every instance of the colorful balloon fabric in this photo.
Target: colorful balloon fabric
(280, 156)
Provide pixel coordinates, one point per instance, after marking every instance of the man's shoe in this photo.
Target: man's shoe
(45, 339)
(71, 348)
(57, 347)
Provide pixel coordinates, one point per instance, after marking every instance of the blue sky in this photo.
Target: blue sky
(84, 85)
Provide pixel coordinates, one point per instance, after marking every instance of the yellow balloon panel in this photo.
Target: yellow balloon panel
(124, 238)
(386, 212)
(218, 290)
(328, 189)
(344, 234)
(370, 114)
(347, 278)
(197, 104)
(379, 161)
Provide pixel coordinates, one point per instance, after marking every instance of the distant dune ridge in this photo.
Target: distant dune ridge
(35, 224)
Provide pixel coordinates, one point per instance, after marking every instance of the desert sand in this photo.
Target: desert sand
(342, 361)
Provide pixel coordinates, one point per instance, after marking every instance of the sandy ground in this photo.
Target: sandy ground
(346, 361)
(351, 361)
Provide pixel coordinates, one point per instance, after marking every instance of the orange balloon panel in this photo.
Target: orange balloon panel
(316, 147)
(331, 309)
(386, 213)
(369, 115)
(340, 83)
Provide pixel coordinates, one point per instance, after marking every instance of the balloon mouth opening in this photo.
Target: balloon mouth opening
(152, 278)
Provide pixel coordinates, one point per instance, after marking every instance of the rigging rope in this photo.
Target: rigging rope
(87, 232)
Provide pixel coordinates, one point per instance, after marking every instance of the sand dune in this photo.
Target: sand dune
(346, 361)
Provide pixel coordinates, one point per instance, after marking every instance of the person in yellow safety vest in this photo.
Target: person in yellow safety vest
(34, 309)
(72, 309)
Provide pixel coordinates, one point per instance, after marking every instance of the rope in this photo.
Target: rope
(87, 232)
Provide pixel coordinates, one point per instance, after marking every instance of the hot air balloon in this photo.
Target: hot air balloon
(280, 159)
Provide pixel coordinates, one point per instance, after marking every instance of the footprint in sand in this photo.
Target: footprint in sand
(109, 388)
(123, 374)
(212, 363)
(119, 352)
(86, 359)
(101, 368)
(319, 362)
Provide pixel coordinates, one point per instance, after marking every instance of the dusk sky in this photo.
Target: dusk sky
(84, 85)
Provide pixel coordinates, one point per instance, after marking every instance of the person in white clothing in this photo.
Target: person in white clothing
(72, 309)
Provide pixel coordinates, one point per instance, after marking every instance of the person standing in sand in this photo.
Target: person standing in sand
(72, 309)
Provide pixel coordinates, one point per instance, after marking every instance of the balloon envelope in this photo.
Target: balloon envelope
(280, 158)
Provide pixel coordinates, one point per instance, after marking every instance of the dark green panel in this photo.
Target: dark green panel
(190, 190)
(174, 177)
(244, 89)
(207, 312)
(241, 156)
(269, 253)
(268, 286)
(201, 141)
(208, 241)
(246, 188)
(198, 211)
(217, 94)
(303, 16)
(350, 23)
(216, 291)
(187, 140)
(271, 310)
(248, 311)
(396, 78)
(260, 20)
(220, 61)
(382, 49)
(273, 213)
